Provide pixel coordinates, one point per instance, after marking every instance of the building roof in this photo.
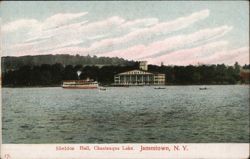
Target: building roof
(135, 72)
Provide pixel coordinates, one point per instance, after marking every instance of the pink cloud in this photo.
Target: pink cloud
(58, 31)
(230, 56)
(53, 21)
(160, 28)
(74, 34)
(59, 34)
(139, 23)
(176, 42)
(189, 56)
(129, 53)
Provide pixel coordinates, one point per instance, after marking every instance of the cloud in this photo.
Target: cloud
(212, 53)
(176, 42)
(191, 55)
(19, 24)
(62, 36)
(141, 52)
(58, 31)
(139, 23)
(240, 55)
(68, 50)
(51, 22)
(157, 29)
(102, 27)
(60, 19)
(147, 38)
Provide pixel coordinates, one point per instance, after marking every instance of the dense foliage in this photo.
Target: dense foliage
(202, 74)
(10, 62)
(49, 75)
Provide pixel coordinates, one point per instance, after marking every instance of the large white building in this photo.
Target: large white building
(139, 77)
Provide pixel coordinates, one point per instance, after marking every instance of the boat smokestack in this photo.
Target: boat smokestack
(79, 73)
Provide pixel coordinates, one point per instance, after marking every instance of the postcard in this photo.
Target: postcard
(124, 79)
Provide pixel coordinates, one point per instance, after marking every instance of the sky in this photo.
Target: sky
(172, 32)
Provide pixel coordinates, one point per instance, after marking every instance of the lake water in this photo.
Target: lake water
(177, 114)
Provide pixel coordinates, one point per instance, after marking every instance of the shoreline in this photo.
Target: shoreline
(39, 86)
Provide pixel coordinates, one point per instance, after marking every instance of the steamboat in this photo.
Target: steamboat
(80, 84)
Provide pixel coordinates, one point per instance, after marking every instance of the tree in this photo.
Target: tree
(237, 68)
(69, 73)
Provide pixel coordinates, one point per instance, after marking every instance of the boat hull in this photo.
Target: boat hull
(80, 87)
(80, 84)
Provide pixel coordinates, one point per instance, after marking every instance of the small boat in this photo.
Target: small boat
(159, 88)
(203, 88)
(102, 88)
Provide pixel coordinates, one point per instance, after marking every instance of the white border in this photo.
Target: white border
(192, 151)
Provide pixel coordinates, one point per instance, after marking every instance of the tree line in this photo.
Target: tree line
(202, 74)
(11, 62)
(53, 75)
